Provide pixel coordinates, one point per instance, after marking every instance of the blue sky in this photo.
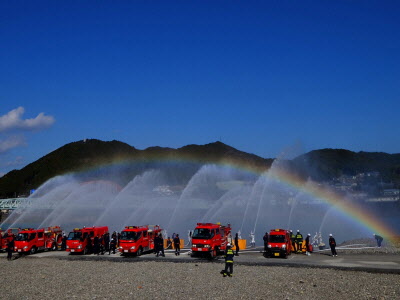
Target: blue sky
(265, 77)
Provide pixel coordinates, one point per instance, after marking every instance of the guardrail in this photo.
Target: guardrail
(14, 203)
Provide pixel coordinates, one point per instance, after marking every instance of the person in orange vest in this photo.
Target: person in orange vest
(293, 240)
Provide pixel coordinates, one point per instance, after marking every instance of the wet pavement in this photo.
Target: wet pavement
(346, 260)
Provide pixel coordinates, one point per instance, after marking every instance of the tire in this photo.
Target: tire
(33, 250)
(139, 252)
(54, 247)
(85, 251)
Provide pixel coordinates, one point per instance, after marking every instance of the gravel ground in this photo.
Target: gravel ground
(46, 278)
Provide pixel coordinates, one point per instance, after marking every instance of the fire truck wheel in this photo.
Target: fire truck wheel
(139, 252)
(33, 250)
(85, 251)
(54, 247)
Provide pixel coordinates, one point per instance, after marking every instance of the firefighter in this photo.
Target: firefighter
(265, 239)
(169, 243)
(229, 254)
(64, 242)
(89, 245)
(106, 240)
(293, 239)
(177, 245)
(10, 249)
(332, 244)
(237, 244)
(113, 244)
(156, 245)
(299, 241)
(308, 244)
(96, 245)
(379, 240)
(101, 244)
(253, 239)
(161, 245)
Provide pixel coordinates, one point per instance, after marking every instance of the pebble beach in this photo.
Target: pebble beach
(51, 278)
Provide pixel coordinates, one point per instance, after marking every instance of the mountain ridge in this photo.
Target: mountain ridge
(319, 165)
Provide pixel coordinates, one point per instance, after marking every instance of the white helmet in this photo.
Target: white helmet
(229, 244)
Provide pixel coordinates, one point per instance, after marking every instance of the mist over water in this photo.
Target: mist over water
(177, 196)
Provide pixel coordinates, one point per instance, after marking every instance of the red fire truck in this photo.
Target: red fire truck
(77, 241)
(279, 244)
(210, 239)
(32, 240)
(5, 237)
(138, 239)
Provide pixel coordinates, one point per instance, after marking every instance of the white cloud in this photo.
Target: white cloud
(11, 142)
(13, 121)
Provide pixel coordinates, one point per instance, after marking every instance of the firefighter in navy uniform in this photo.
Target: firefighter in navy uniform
(113, 245)
(237, 244)
(229, 254)
(177, 245)
(265, 239)
(299, 241)
(332, 244)
(10, 249)
(379, 240)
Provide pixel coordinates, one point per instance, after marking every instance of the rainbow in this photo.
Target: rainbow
(348, 208)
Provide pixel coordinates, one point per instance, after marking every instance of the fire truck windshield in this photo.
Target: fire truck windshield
(25, 236)
(278, 238)
(202, 233)
(130, 235)
(75, 235)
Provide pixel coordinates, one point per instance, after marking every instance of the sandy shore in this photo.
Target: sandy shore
(50, 278)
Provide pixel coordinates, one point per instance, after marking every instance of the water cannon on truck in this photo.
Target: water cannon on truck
(135, 240)
(80, 240)
(31, 240)
(209, 239)
(279, 243)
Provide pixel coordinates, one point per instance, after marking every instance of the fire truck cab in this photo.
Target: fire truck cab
(138, 239)
(279, 244)
(210, 239)
(5, 237)
(77, 241)
(32, 240)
